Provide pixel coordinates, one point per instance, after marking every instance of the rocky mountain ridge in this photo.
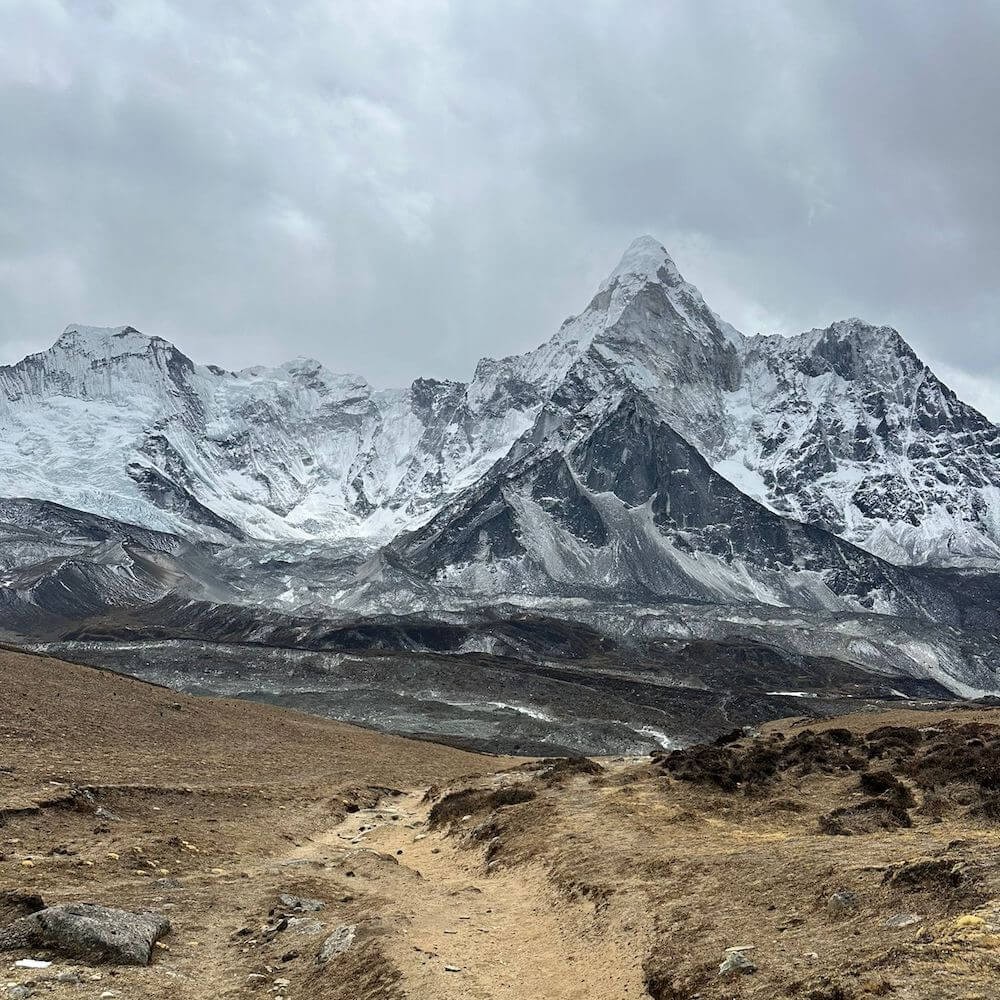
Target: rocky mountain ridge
(844, 427)
(647, 522)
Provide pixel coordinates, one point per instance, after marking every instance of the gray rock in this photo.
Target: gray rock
(19, 991)
(901, 920)
(88, 932)
(843, 902)
(736, 964)
(338, 942)
(300, 904)
(304, 925)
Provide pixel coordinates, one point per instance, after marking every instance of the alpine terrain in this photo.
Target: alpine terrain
(648, 529)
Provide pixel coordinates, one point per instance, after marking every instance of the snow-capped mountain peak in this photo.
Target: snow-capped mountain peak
(77, 336)
(842, 426)
(846, 427)
(109, 343)
(645, 263)
(644, 259)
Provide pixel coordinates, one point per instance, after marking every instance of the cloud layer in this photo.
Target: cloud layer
(399, 188)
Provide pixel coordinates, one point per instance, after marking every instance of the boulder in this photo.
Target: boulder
(736, 964)
(88, 932)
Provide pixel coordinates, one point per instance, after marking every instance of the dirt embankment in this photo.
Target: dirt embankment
(298, 858)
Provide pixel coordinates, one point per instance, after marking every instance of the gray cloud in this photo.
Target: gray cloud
(400, 188)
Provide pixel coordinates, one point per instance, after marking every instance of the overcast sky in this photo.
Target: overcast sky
(400, 188)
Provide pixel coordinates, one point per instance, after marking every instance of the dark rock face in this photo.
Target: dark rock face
(89, 933)
(490, 533)
(169, 495)
(657, 522)
(557, 491)
(20, 514)
(59, 565)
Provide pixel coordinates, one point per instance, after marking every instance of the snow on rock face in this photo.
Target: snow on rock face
(843, 427)
(114, 422)
(646, 262)
(847, 428)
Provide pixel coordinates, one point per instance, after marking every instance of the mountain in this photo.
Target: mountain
(58, 564)
(649, 481)
(847, 428)
(844, 427)
(632, 511)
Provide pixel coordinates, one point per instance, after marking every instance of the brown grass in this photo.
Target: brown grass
(620, 881)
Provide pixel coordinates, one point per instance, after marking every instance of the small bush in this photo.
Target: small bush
(886, 784)
(867, 817)
(470, 801)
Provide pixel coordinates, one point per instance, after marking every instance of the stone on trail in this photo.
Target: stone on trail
(842, 903)
(304, 925)
(736, 963)
(299, 904)
(88, 932)
(338, 942)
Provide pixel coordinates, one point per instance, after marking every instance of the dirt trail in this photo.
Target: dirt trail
(462, 933)
(250, 828)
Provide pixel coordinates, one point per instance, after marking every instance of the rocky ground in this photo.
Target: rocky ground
(299, 858)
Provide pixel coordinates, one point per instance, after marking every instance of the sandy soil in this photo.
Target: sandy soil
(443, 874)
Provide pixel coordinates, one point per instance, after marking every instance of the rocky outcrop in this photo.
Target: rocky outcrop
(630, 510)
(89, 933)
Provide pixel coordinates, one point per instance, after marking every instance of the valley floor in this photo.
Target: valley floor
(301, 858)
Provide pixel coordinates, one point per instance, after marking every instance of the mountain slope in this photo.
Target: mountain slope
(58, 565)
(130, 427)
(631, 511)
(843, 427)
(847, 428)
